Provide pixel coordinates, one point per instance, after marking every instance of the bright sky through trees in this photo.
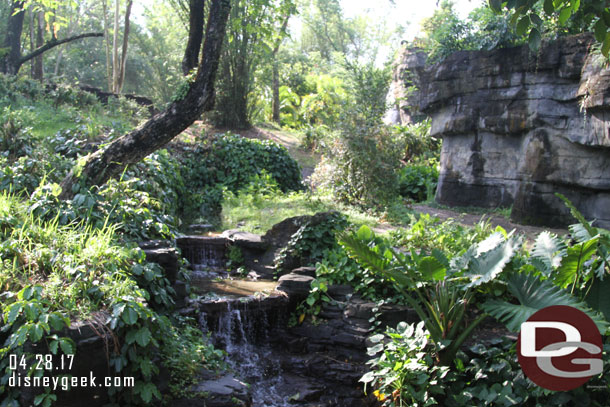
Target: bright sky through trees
(408, 13)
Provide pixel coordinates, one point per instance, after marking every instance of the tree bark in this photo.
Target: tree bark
(38, 61)
(124, 51)
(115, 48)
(54, 43)
(162, 128)
(276, 75)
(193, 45)
(12, 41)
(107, 41)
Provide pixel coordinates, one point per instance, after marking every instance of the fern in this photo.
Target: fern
(548, 252)
(534, 294)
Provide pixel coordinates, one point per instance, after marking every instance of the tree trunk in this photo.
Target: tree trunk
(162, 128)
(38, 61)
(276, 75)
(115, 48)
(124, 51)
(107, 42)
(196, 23)
(10, 63)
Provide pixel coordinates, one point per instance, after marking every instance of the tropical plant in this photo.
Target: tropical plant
(438, 290)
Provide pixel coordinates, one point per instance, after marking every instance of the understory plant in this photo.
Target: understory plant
(557, 271)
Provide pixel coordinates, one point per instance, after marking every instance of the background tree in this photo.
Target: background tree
(253, 25)
(196, 96)
(529, 18)
(11, 58)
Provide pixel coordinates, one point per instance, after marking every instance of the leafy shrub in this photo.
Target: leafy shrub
(426, 233)
(14, 138)
(232, 162)
(418, 182)
(313, 240)
(404, 374)
(51, 273)
(417, 143)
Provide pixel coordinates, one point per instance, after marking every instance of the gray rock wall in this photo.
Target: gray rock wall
(518, 127)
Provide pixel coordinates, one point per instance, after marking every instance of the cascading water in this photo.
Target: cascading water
(243, 332)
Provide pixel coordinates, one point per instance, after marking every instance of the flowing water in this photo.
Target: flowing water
(244, 336)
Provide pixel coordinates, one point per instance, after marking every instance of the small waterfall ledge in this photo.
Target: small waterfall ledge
(270, 363)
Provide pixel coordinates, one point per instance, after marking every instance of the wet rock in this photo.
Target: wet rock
(217, 392)
(305, 271)
(295, 285)
(245, 239)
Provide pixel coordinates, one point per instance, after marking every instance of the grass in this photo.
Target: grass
(473, 210)
(257, 213)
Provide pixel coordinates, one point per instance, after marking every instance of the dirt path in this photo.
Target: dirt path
(308, 161)
(470, 219)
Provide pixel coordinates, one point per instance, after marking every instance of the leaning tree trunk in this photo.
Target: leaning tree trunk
(162, 128)
(193, 45)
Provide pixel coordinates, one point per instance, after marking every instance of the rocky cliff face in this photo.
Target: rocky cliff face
(518, 127)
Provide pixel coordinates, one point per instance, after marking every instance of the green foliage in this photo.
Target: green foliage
(404, 374)
(312, 241)
(436, 288)
(534, 294)
(235, 257)
(428, 233)
(402, 371)
(446, 33)
(531, 18)
(418, 182)
(233, 162)
(60, 271)
(185, 352)
(252, 29)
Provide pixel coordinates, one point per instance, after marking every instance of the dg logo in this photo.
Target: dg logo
(560, 348)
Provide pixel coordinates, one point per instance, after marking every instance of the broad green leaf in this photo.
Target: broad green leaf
(53, 346)
(564, 15)
(487, 266)
(572, 264)
(431, 269)
(67, 346)
(13, 312)
(496, 5)
(600, 30)
(129, 316)
(598, 297)
(36, 332)
(534, 39)
(606, 45)
(534, 294)
(143, 336)
(549, 250)
(522, 25)
(364, 233)
(549, 9)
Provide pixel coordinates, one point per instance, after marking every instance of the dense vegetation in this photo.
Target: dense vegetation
(71, 258)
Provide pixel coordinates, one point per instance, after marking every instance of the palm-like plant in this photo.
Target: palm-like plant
(436, 290)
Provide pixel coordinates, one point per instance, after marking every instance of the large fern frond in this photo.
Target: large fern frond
(534, 294)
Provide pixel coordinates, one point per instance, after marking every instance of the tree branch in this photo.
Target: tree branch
(53, 43)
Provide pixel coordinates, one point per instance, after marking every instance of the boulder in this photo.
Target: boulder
(518, 126)
(295, 285)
